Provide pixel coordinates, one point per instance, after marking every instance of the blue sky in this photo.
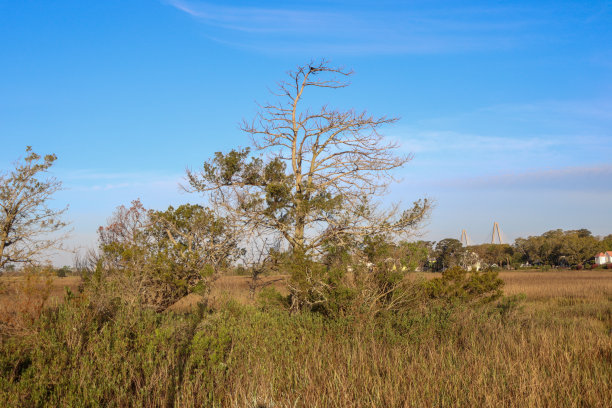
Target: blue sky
(507, 106)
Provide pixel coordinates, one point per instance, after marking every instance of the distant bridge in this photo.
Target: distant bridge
(496, 235)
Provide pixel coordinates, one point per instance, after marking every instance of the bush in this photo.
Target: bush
(459, 285)
(83, 355)
(270, 298)
(63, 272)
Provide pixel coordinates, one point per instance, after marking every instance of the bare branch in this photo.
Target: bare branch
(321, 170)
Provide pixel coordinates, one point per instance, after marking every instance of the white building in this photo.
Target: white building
(603, 258)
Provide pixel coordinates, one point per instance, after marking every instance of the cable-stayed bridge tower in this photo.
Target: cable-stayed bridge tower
(465, 240)
(496, 233)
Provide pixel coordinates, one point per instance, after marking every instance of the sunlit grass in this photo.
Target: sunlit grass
(555, 349)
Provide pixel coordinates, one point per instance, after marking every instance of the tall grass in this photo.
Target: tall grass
(22, 300)
(84, 353)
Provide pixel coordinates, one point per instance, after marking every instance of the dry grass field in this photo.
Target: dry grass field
(552, 292)
(535, 284)
(538, 286)
(554, 350)
(57, 286)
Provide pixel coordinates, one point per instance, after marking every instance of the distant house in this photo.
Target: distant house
(471, 262)
(603, 258)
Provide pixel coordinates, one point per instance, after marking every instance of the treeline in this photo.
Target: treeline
(555, 248)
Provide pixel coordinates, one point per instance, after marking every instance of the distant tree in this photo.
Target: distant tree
(408, 256)
(558, 247)
(542, 249)
(378, 247)
(579, 246)
(27, 223)
(606, 243)
(415, 255)
(489, 254)
(63, 271)
(550, 246)
(526, 248)
(581, 233)
(449, 253)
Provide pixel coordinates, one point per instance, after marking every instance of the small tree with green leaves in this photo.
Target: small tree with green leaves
(449, 253)
(159, 256)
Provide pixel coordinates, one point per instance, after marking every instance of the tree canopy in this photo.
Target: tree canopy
(317, 172)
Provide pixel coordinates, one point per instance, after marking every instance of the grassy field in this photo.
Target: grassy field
(592, 285)
(552, 349)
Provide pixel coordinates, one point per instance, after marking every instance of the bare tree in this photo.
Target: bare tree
(27, 224)
(122, 240)
(320, 171)
(85, 262)
(123, 260)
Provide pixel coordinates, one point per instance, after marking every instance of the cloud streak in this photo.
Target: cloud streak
(430, 141)
(256, 20)
(590, 115)
(520, 135)
(91, 181)
(350, 30)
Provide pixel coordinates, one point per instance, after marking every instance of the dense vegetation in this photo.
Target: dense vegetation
(454, 346)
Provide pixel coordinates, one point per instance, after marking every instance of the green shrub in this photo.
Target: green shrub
(85, 355)
(270, 298)
(62, 272)
(459, 285)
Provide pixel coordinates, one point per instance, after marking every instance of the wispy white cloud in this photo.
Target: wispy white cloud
(93, 180)
(532, 134)
(334, 28)
(534, 116)
(440, 141)
(256, 19)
